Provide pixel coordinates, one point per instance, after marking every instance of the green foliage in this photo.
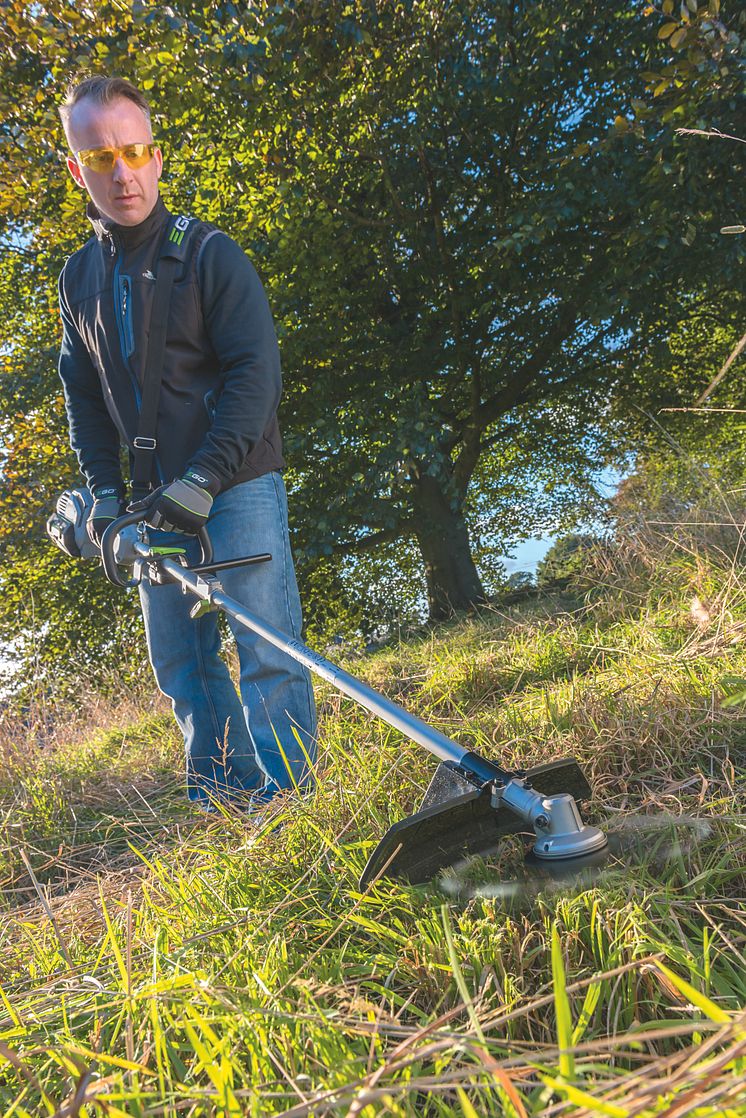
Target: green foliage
(71, 632)
(705, 55)
(687, 488)
(457, 209)
(566, 557)
(364, 597)
(521, 580)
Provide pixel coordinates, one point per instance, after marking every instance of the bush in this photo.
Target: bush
(565, 559)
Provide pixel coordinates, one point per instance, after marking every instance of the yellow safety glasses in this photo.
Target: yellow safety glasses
(102, 160)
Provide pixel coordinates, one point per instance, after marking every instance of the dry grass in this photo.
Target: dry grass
(167, 964)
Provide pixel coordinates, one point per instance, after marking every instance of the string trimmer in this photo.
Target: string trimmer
(471, 803)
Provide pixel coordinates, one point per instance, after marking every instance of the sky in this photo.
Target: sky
(528, 554)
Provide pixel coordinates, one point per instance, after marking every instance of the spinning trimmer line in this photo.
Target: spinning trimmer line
(471, 804)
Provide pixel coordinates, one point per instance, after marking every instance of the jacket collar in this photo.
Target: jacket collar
(130, 236)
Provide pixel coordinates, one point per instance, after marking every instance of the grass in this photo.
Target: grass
(157, 963)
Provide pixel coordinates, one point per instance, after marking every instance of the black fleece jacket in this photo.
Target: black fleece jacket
(221, 377)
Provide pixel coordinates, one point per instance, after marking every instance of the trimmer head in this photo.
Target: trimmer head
(459, 818)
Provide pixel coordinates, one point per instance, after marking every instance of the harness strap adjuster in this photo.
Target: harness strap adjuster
(141, 442)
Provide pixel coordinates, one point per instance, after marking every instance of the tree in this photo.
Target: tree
(465, 213)
(461, 232)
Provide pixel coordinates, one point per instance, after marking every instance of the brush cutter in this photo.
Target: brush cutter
(471, 803)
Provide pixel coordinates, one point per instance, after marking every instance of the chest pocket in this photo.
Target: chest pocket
(185, 316)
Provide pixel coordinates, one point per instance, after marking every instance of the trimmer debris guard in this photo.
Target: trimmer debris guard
(457, 820)
(471, 802)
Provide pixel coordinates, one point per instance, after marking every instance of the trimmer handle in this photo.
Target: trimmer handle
(109, 539)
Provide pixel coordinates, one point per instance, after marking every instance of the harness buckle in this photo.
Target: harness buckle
(143, 443)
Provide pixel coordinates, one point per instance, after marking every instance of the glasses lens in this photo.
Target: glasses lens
(102, 160)
(137, 155)
(97, 159)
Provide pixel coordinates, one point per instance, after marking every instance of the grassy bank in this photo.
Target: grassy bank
(154, 962)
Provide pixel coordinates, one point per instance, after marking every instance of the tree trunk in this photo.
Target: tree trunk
(452, 579)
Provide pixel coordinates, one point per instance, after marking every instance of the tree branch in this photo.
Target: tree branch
(511, 393)
(366, 543)
(350, 215)
(739, 348)
(712, 132)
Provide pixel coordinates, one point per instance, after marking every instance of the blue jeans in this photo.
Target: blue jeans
(265, 741)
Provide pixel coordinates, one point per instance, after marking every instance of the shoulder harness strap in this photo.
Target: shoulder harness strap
(176, 247)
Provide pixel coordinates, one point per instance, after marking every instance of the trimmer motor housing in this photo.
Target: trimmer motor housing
(66, 527)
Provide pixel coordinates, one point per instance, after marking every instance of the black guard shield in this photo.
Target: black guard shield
(457, 821)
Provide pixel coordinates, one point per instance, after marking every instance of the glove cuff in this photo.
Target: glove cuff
(107, 492)
(203, 478)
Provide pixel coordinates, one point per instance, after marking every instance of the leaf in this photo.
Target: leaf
(463, 989)
(217, 1070)
(701, 1001)
(506, 1085)
(666, 30)
(590, 1002)
(735, 690)
(466, 1107)
(106, 1058)
(691, 233)
(111, 937)
(562, 1008)
(592, 1104)
(678, 38)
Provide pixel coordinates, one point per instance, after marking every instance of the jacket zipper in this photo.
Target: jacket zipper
(127, 324)
(120, 306)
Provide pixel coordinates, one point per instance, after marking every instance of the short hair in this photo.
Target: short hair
(102, 90)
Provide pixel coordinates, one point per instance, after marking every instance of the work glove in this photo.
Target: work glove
(108, 505)
(182, 506)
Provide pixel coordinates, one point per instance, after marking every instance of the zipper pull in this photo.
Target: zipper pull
(125, 293)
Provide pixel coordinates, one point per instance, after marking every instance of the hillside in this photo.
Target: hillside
(157, 962)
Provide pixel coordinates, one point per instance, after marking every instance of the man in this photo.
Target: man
(218, 455)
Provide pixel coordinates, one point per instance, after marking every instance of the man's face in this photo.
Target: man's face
(124, 195)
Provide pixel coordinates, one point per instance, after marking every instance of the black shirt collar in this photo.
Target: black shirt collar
(130, 236)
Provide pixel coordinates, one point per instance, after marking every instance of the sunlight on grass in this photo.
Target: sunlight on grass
(163, 963)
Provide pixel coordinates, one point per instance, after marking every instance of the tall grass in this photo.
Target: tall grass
(157, 963)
